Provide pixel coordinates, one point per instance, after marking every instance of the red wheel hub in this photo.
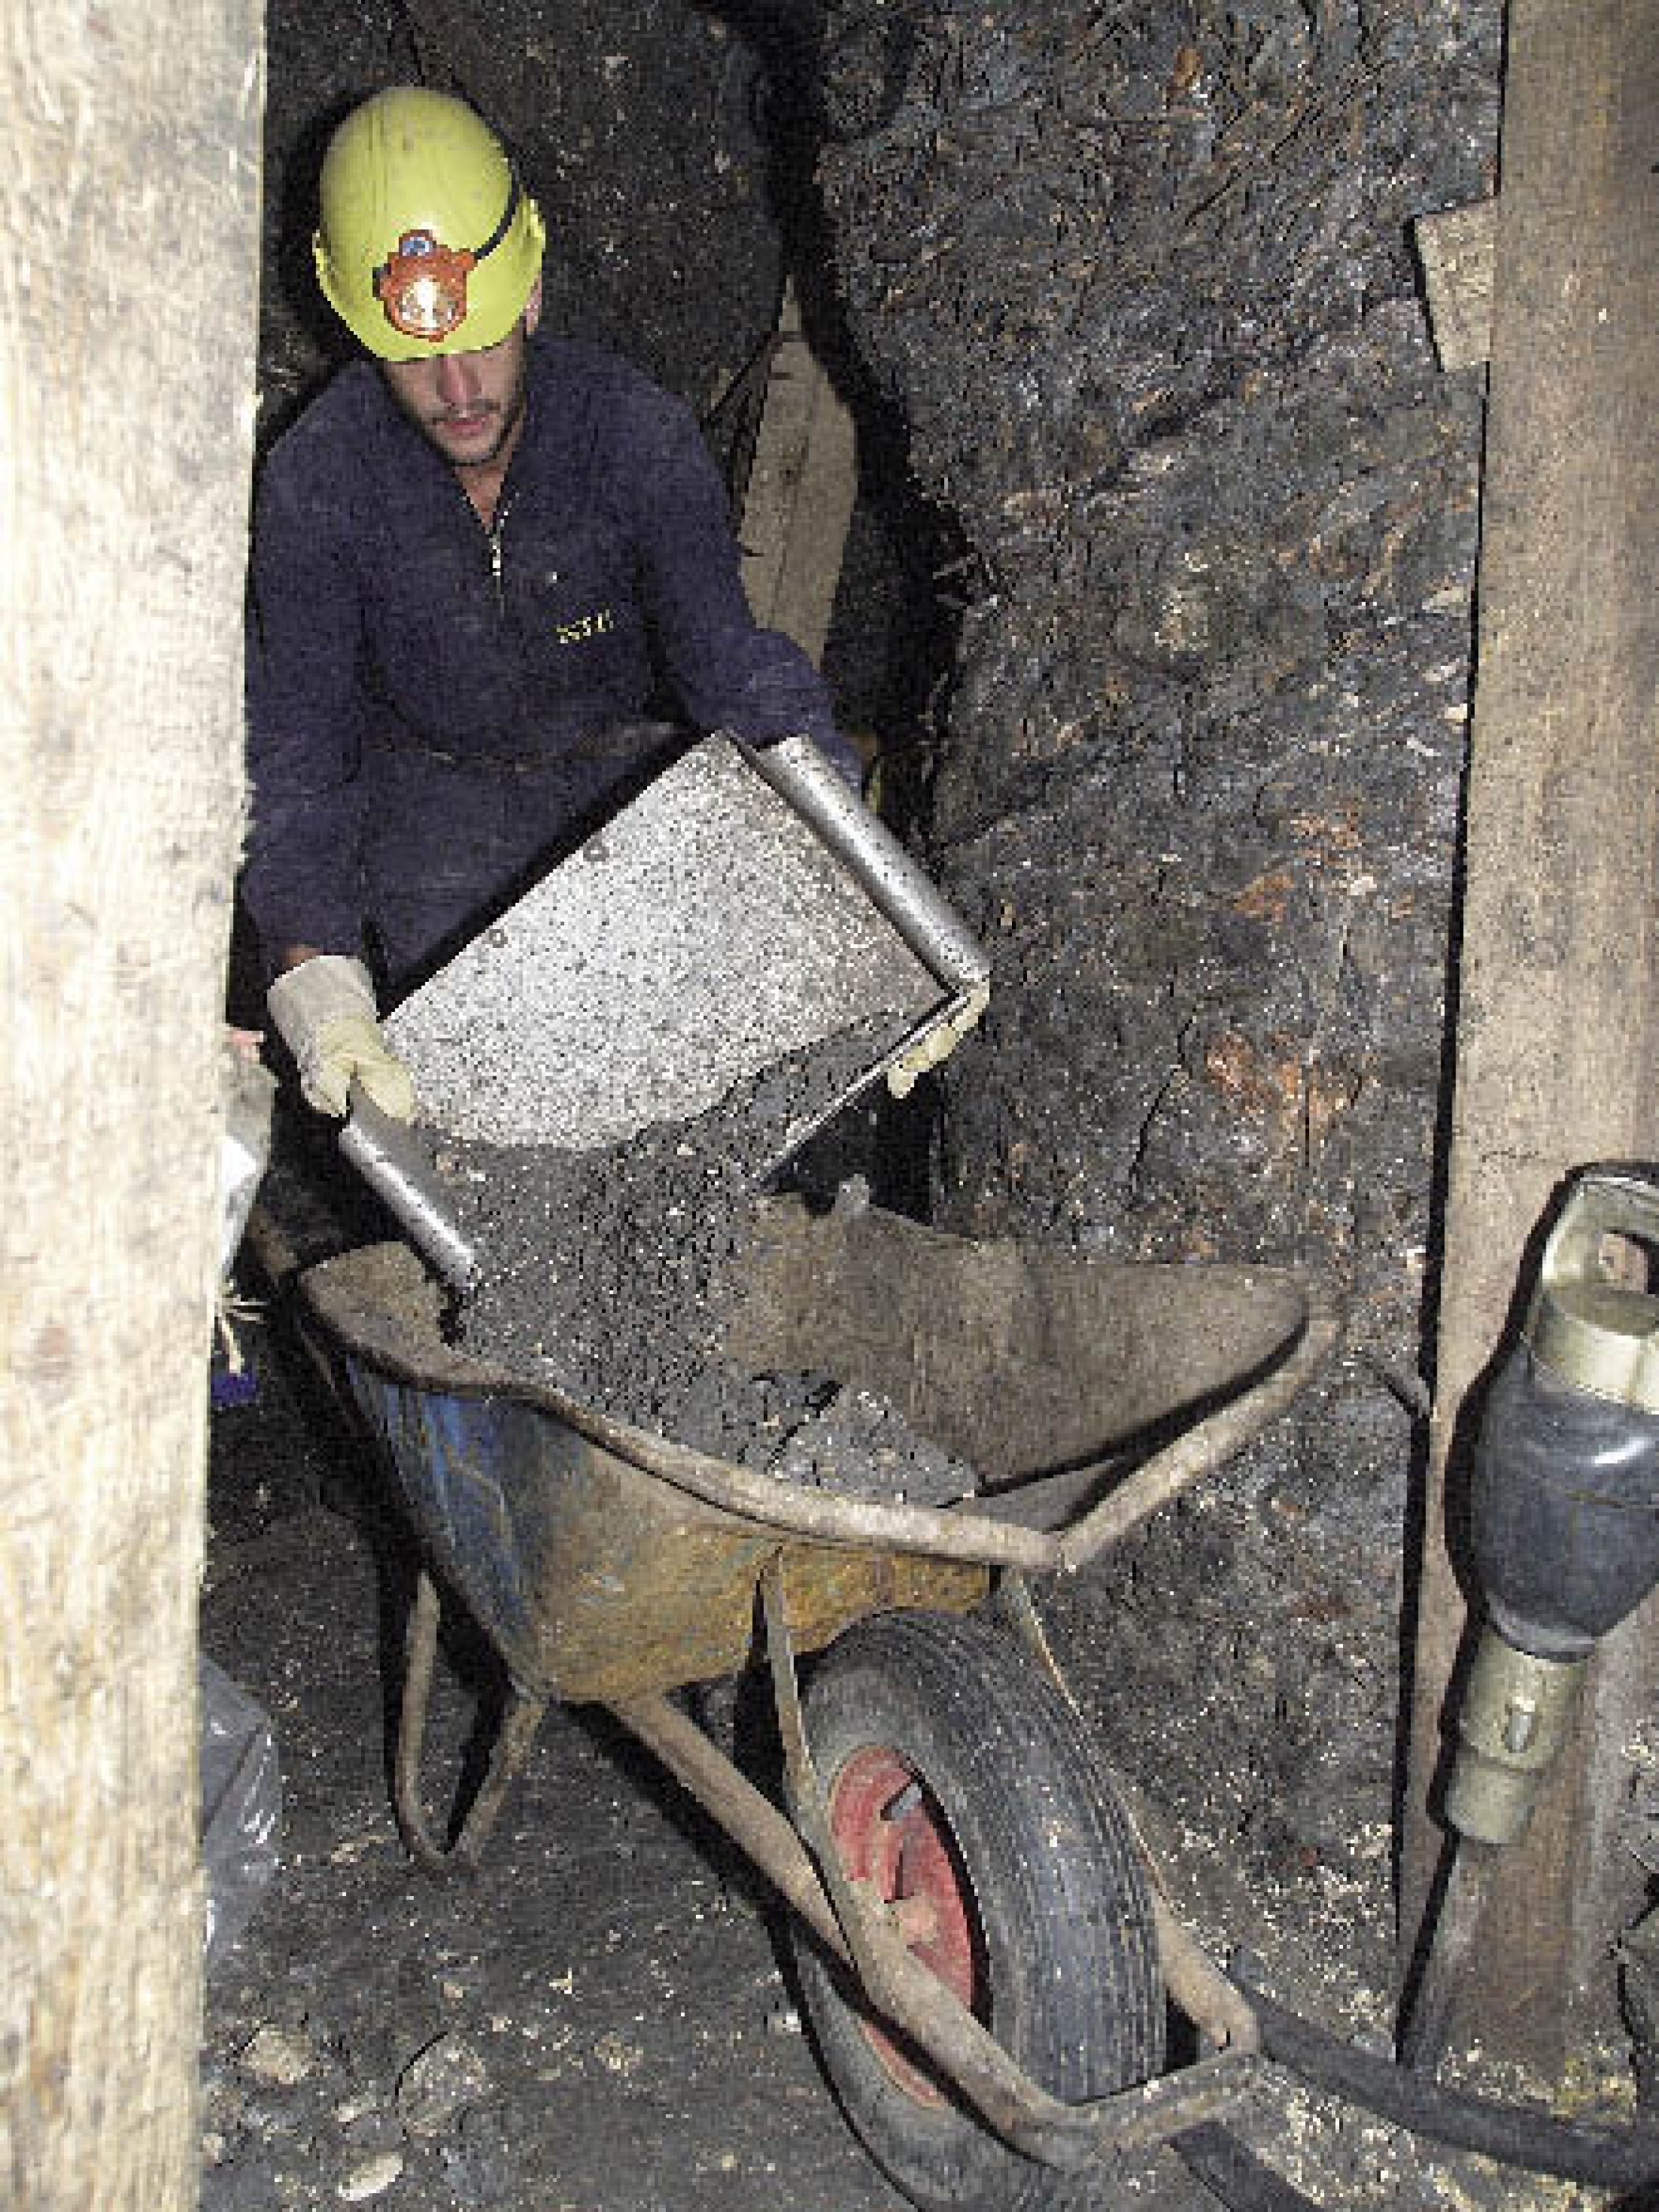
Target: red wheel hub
(890, 1833)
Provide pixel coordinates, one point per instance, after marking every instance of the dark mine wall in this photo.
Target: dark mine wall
(1141, 278)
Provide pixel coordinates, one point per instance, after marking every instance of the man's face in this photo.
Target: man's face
(469, 405)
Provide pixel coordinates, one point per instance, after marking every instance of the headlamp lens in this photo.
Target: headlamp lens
(422, 287)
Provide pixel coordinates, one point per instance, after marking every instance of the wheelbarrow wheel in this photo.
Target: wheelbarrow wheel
(962, 1786)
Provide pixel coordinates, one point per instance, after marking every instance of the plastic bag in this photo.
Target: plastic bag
(249, 1089)
(241, 1805)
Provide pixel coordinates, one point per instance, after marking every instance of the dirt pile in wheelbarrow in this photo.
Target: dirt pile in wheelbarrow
(606, 1274)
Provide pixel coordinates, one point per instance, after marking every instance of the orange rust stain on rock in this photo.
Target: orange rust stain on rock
(1330, 1092)
(1254, 1084)
(1265, 897)
(1184, 71)
(1280, 1086)
(1329, 833)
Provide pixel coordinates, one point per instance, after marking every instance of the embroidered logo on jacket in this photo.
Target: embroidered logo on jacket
(586, 626)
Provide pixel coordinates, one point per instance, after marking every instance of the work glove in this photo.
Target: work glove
(325, 1010)
(939, 1044)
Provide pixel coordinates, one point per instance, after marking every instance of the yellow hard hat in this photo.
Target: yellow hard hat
(426, 242)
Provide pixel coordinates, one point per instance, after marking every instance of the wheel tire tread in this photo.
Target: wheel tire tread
(1072, 1883)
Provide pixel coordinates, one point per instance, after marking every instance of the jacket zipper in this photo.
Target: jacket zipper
(494, 534)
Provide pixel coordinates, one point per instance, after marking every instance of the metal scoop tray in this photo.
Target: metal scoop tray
(746, 905)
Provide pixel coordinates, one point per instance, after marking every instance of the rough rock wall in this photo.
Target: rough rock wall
(1141, 277)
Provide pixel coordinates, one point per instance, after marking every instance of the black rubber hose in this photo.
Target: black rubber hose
(1514, 2134)
(1216, 2157)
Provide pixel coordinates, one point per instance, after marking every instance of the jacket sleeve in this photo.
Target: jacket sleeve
(729, 673)
(303, 879)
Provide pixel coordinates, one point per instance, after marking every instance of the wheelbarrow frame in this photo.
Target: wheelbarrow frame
(811, 1563)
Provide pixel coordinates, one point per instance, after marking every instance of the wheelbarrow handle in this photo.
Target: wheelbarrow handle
(1202, 1450)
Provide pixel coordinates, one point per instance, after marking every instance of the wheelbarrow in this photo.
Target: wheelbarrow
(983, 1946)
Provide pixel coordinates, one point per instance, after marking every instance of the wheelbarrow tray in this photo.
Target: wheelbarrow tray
(606, 1563)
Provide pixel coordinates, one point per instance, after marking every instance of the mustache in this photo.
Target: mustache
(466, 414)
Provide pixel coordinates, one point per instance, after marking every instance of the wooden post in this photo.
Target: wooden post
(129, 267)
(801, 490)
(1557, 1038)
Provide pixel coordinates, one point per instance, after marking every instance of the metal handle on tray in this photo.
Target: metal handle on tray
(934, 931)
(388, 1157)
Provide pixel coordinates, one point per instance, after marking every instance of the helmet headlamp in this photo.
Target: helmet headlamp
(422, 285)
(411, 183)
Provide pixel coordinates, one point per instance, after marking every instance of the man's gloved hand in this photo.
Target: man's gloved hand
(325, 1010)
(938, 1043)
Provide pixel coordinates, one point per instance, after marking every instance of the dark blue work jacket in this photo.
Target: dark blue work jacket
(437, 710)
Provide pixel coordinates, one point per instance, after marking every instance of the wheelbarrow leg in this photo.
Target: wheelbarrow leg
(512, 1740)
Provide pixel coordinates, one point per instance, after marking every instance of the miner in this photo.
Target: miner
(480, 559)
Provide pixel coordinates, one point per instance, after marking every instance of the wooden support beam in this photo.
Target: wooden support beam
(129, 320)
(800, 494)
(1557, 1036)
